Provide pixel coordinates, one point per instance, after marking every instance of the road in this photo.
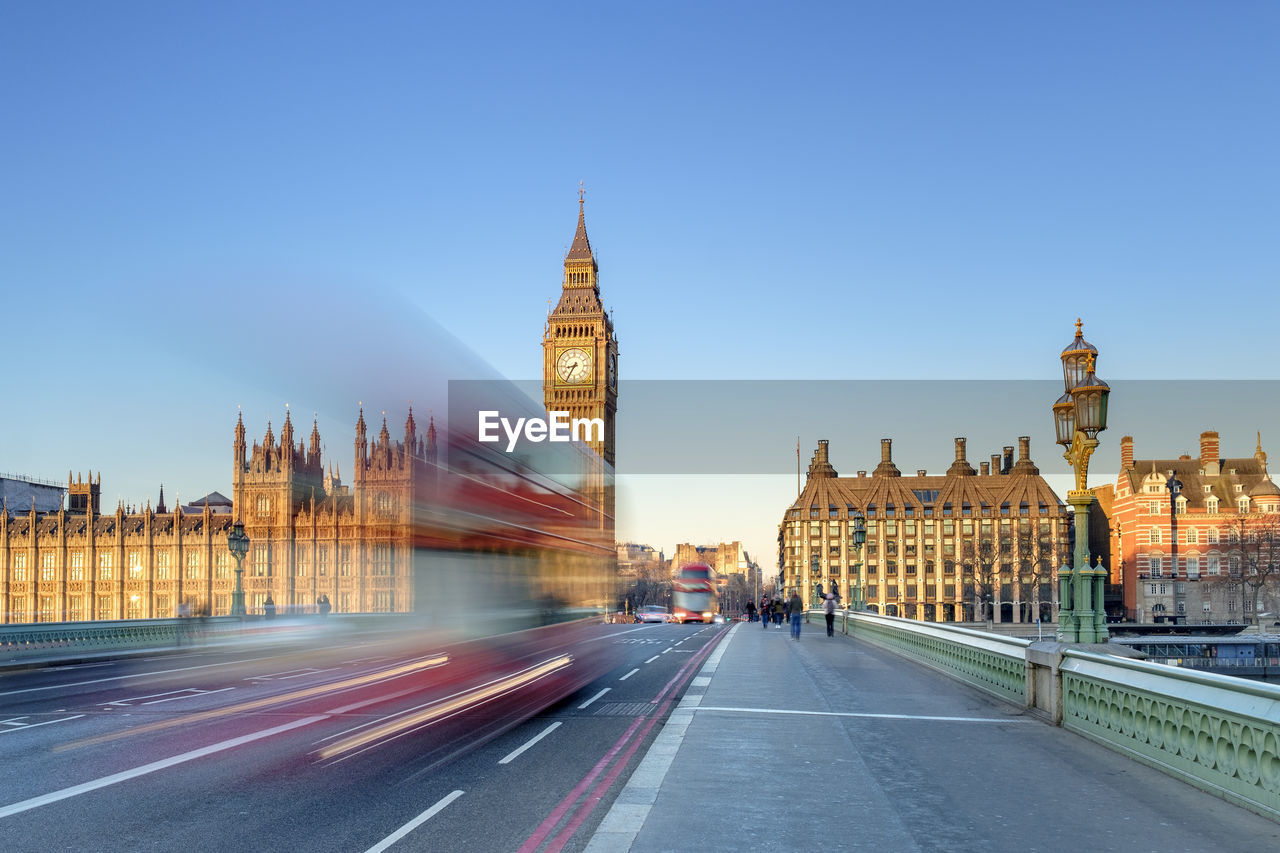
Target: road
(355, 744)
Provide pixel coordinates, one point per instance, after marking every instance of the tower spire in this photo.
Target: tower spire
(581, 248)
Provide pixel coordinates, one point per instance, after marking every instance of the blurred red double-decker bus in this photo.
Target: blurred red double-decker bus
(694, 594)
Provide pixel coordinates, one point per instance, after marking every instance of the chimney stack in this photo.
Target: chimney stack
(1209, 451)
(886, 468)
(961, 467)
(1126, 453)
(995, 463)
(986, 469)
(1008, 459)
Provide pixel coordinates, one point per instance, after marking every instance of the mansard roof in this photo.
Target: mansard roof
(1248, 472)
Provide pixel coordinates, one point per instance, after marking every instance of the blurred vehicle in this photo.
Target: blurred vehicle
(718, 619)
(653, 613)
(694, 594)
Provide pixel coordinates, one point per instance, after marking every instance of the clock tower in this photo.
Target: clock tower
(579, 350)
(580, 370)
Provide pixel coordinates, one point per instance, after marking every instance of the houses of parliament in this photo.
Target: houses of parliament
(312, 537)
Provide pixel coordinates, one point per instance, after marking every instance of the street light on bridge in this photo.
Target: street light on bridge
(858, 527)
(1078, 416)
(238, 545)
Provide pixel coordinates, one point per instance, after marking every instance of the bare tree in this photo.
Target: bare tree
(1252, 545)
(1033, 572)
(979, 561)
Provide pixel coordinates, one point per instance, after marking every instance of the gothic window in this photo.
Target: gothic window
(104, 567)
(193, 565)
(260, 565)
(383, 503)
(344, 560)
(263, 506)
(322, 561)
(162, 566)
(47, 570)
(222, 565)
(77, 565)
(19, 567)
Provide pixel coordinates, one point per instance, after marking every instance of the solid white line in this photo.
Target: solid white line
(628, 675)
(871, 716)
(162, 764)
(414, 824)
(516, 753)
(192, 696)
(594, 698)
(652, 659)
(24, 726)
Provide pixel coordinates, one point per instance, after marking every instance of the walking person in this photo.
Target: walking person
(796, 607)
(777, 611)
(751, 610)
(829, 610)
(766, 612)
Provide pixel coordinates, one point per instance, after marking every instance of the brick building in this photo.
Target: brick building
(1220, 525)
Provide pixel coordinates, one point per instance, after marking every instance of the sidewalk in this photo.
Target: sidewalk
(831, 744)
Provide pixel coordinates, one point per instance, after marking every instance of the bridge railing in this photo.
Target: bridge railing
(1217, 732)
(19, 643)
(989, 662)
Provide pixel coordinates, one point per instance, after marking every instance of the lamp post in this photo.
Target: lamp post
(1174, 485)
(238, 545)
(813, 580)
(859, 529)
(1078, 416)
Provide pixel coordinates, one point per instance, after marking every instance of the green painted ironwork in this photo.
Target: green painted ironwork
(990, 662)
(1217, 732)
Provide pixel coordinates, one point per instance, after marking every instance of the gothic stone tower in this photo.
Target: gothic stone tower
(580, 357)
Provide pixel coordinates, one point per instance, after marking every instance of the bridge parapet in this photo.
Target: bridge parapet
(1216, 732)
(990, 662)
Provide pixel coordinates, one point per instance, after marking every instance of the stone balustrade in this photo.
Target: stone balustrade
(1219, 733)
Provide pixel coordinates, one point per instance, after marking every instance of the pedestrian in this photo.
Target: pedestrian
(777, 611)
(829, 610)
(795, 607)
(766, 611)
(751, 610)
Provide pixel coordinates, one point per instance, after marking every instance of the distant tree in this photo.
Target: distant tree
(1253, 561)
(1032, 571)
(979, 559)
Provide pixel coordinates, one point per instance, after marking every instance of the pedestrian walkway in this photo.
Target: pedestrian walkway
(830, 744)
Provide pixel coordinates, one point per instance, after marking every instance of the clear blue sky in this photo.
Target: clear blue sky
(212, 205)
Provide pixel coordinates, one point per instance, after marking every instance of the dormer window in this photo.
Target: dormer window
(1181, 505)
(1243, 504)
(1239, 488)
(1208, 490)
(1211, 505)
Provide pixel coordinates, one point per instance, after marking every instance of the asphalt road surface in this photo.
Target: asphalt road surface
(354, 744)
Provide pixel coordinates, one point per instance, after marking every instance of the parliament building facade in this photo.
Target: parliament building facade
(312, 537)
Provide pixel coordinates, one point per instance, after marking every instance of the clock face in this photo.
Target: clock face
(613, 371)
(574, 365)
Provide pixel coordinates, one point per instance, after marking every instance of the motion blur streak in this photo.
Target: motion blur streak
(268, 702)
(445, 708)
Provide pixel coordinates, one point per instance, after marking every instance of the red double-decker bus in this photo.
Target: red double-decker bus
(694, 594)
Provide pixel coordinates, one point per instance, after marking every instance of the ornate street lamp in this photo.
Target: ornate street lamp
(1174, 485)
(858, 526)
(1078, 416)
(238, 545)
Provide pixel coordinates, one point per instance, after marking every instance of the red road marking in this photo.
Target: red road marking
(544, 829)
